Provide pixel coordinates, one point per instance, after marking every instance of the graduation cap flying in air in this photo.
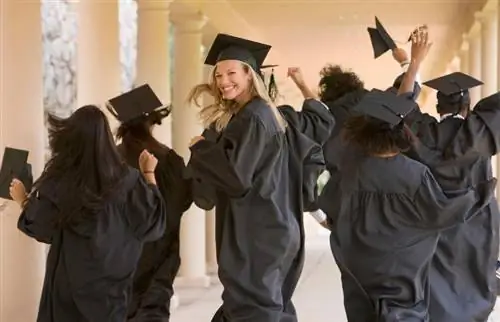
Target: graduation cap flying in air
(380, 39)
(385, 106)
(453, 91)
(15, 165)
(136, 103)
(252, 53)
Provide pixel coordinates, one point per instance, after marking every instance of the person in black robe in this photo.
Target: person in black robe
(386, 215)
(96, 213)
(458, 151)
(254, 161)
(139, 110)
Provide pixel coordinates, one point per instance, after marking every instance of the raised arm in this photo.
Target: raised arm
(315, 119)
(480, 132)
(419, 48)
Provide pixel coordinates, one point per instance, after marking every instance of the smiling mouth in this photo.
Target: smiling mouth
(227, 89)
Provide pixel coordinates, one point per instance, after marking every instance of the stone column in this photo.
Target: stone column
(153, 56)
(210, 247)
(475, 60)
(185, 125)
(464, 56)
(98, 53)
(488, 21)
(22, 259)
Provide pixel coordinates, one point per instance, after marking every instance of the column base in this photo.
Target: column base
(212, 268)
(192, 282)
(214, 280)
(174, 302)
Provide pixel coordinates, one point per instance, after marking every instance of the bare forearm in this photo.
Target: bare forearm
(409, 78)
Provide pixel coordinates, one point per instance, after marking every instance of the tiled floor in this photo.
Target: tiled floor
(318, 297)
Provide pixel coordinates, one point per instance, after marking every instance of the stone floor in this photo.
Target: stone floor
(318, 297)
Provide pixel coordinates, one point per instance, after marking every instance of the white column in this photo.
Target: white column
(185, 125)
(464, 56)
(153, 56)
(475, 61)
(488, 20)
(22, 259)
(210, 247)
(98, 53)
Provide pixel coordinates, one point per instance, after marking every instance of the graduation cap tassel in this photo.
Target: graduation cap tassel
(272, 88)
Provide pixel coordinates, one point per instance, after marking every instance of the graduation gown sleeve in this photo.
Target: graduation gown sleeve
(38, 219)
(146, 211)
(315, 119)
(172, 182)
(204, 195)
(440, 210)
(230, 163)
(480, 132)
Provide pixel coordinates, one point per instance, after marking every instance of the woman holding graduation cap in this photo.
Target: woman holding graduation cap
(458, 150)
(138, 111)
(254, 161)
(96, 213)
(386, 215)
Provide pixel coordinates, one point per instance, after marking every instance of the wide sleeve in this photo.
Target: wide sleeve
(439, 210)
(176, 188)
(480, 133)
(230, 163)
(146, 211)
(39, 218)
(313, 166)
(315, 120)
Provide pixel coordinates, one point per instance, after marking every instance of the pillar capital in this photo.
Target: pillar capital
(189, 23)
(154, 5)
(474, 31)
(485, 16)
(465, 43)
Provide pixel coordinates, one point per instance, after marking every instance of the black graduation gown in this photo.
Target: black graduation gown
(316, 122)
(333, 149)
(160, 259)
(90, 266)
(458, 152)
(385, 222)
(258, 186)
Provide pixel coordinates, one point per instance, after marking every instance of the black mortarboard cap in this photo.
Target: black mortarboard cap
(453, 91)
(227, 47)
(138, 102)
(14, 165)
(380, 39)
(385, 106)
(453, 83)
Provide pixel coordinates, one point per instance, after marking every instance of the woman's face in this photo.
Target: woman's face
(232, 79)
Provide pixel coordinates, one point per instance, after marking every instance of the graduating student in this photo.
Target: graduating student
(96, 213)
(255, 162)
(386, 215)
(458, 150)
(139, 111)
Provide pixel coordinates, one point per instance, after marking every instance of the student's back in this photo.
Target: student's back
(96, 213)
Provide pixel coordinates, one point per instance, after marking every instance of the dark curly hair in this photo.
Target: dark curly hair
(375, 137)
(335, 83)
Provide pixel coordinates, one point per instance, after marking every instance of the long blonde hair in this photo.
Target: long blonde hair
(221, 111)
